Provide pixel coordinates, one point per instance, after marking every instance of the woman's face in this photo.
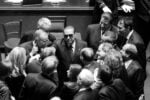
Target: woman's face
(101, 52)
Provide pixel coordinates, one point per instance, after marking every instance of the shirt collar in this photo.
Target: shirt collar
(73, 46)
(127, 63)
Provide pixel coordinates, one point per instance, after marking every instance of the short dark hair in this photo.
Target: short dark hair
(128, 22)
(87, 54)
(75, 69)
(105, 73)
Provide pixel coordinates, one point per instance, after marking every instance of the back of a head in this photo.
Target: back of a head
(103, 49)
(74, 69)
(71, 28)
(5, 68)
(85, 78)
(40, 34)
(113, 59)
(105, 74)
(110, 36)
(87, 54)
(130, 48)
(105, 46)
(17, 56)
(49, 64)
(44, 23)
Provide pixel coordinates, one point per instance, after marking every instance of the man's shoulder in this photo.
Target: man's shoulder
(29, 43)
(81, 42)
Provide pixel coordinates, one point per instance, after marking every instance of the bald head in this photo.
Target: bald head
(44, 23)
(49, 64)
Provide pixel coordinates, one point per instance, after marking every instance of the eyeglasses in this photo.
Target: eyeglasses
(69, 35)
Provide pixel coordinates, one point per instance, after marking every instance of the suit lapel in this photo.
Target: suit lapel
(98, 34)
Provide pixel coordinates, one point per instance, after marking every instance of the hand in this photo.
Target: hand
(34, 50)
(141, 97)
(126, 8)
(106, 9)
(36, 57)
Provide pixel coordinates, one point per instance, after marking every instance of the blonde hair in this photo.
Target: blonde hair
(17, 56)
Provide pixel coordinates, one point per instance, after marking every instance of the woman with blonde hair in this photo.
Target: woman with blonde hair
(17, 56)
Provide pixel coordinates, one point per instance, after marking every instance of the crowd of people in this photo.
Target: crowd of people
(109, 64)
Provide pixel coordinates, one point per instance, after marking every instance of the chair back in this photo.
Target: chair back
(12, 29)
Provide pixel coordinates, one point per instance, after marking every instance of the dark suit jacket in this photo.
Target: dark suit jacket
(4, 91)
(142, 9)
(65, 58)
(33, 67)
(136, 76)
(93, 36)
(137, 40)
(116, 90)
(27, 36)
(88, 94)
(37, 87)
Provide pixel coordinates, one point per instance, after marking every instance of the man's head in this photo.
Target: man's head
(125, 24)
(105, 74)
(41, 38)
(47, 51)
(44, 24)
(49, 65)
(109, 36)
(73, 72)
(103, 49)
(128, 51)
(106, 19)
(113, 59)
(69, 32)
(85, 78)
(87, 54)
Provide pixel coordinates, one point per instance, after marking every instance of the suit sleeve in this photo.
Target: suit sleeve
(139, 78)
(128, 93)
(103, 97)
(27, 88)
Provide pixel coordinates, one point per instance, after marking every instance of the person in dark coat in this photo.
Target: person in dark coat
(68, 52)
(95, 31)
(17, 56)
(128, 35)
(135, 71)
(40, 86)
(114, 60)
(113, 89)
(85, 80)
(71, 87)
